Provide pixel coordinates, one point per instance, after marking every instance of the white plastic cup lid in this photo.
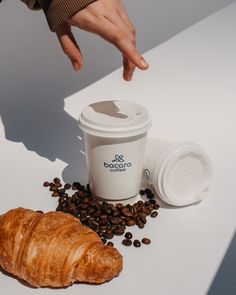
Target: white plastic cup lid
(187, 176)
(115, 119)
(181, 174)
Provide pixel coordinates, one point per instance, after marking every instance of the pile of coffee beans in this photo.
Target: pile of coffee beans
(106, 219)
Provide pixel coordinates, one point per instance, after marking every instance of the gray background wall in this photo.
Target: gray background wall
(35, 76)
(30, 54)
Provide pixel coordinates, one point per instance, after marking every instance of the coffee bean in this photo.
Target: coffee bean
(152, 201)
(156, 206)
(108, 235)
(128, 235)
(110, 244)
(93, 202)
(154, 214)
(61, 191)
(67, 186)
(84, 206)
(140, 203)
(46, 184)
(119, 206)
(148, 191)
(53, 188)
(58, 185)
(115, 213)
(114, 226)
(150, 196)
(150, 207)
(103, 216)
(104, 206)
(39, 211)
(137, 243)
(139, 223)
(91, 219)
(119, 232)
(83, 215)
(142, 192)
(130, 222)
(104, 240)
(146, 241)
(57, 180)
(76, 184)
(127, 242)
(102, 221)
(127, 212)
(148, 211)
(143, 218)
(122, 227)
(115, 220)
(55, 194)
(109, 231)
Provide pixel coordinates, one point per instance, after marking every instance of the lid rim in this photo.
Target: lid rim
(139, 120)
(115, 132)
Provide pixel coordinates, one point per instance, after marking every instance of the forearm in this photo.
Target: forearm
(58, 11)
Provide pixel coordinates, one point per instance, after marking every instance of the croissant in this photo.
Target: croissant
(54, 250)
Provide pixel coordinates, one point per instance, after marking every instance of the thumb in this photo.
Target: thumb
(69, 45)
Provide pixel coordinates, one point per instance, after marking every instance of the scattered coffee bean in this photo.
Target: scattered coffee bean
(137, 243)
(142, 192)
(141, 225)
(156, 207)
(128, 235)
(154, 214)
(146, 241)
(53, 188)
(143, 218)
(104, 240)
(67, 186)
(39, 211)
(119, 206)
(55, 194)
(119, 232)
(127, 242)
(127, 212)
(110, 244)
(130, 222)
(56, 180)
(150, 196)
(148, 191)
(152, 201)
(46, 184)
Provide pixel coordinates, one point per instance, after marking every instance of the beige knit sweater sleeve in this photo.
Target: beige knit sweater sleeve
(58, 11)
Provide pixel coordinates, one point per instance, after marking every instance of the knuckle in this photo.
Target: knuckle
(133, 30)
(119, 36)
(133, 40)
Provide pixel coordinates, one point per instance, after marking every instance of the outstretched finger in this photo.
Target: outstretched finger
(70, 46)
(128, 70)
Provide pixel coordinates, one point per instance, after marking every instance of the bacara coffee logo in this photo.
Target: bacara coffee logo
(118, 164)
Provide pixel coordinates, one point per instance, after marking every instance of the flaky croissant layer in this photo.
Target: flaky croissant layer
(54, 249)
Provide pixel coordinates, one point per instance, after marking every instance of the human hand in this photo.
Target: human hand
(108, 19)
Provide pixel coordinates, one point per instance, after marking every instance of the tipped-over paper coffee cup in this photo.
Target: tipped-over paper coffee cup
(115, 138)
(179, 172)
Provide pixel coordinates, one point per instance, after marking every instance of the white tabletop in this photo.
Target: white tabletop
(190, 91)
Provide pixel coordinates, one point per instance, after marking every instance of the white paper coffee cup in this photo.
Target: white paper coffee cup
(179, 172)
(115, 139)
